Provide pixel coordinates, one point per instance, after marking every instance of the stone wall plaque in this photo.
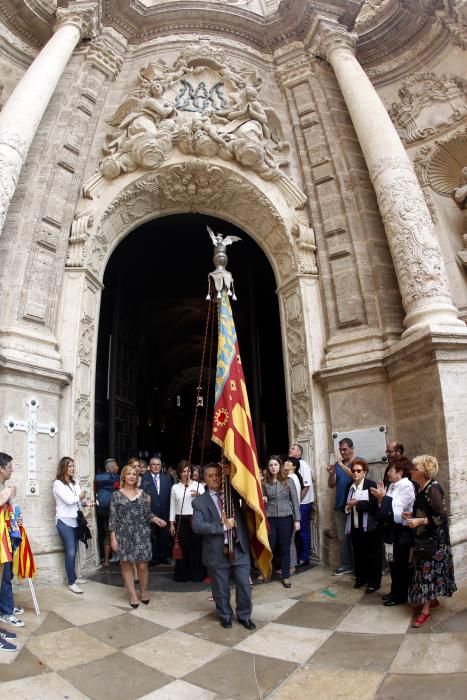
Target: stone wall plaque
(369, 443)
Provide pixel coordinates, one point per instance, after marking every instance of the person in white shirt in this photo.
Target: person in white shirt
(397, 499)
(68, 499)
(306, 506)
(190, 567)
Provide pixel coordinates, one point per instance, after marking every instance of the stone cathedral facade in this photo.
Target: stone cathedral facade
(331, 132)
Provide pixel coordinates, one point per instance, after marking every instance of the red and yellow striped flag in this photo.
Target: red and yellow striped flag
(23, 560)
(233, 431)
(6, 554)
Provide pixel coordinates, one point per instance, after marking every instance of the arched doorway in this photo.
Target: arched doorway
(151, 331)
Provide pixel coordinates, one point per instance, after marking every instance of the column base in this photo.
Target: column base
(435, 318)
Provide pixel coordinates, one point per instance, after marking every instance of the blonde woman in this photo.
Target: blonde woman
(130, 533)
(432, 555)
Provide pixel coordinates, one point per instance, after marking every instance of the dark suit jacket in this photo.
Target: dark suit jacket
(207, 522)
(160, 502)
(370, 506)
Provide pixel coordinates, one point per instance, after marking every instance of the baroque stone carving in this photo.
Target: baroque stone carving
(371, 10)
(82, 419)
(103, 53)
(304, 238)
(439, 163)
(81, 16)
(335, 37)
(298, 368)
(80, 229)
(427, 104)
(411, 235)
(460, 193)
(204, 107)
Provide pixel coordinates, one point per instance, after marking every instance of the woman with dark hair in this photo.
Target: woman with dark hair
(130, 532)
(397, 498)
(190, 566)
(361, 507)
(432, 554)
(283, 512)
(68, 500)
(292, 470)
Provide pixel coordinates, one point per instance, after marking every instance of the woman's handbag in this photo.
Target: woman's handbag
(177, 551)
(424, 548)
(84, 533)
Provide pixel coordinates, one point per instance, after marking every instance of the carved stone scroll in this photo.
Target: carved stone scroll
(427, 105)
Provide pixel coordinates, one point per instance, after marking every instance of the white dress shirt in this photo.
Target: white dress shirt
(305, 473)
(176, 498)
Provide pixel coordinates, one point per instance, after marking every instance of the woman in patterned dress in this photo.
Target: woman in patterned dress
(130, 533)
(434, 571)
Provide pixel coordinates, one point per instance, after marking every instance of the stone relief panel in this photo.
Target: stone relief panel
(202, 106)
(439, 163)
(427, 105)
(442, 166)
(297, 364)
(411, 233)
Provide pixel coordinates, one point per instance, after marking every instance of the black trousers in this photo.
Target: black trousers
(161, 542)
(280, 534)
(367, 554)
(190, 568)
(399, 568)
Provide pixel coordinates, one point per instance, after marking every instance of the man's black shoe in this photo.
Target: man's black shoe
(391, 602)
(248, 624)
(388, 596)
(226, 624)
(303, 563)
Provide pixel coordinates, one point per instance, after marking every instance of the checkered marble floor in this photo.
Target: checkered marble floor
(319, 639)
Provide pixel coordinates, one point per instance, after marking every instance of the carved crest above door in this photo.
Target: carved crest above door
(201, 106)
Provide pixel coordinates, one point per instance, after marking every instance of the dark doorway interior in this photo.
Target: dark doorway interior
(151, 331)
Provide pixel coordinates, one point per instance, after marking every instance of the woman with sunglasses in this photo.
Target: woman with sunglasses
(361, 508)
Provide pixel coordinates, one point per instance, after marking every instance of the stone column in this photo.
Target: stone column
(26, 105)
(409, 228)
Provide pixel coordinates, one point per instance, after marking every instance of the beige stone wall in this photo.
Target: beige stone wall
(345, 364)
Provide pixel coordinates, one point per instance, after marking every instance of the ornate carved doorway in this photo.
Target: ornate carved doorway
(151, 332)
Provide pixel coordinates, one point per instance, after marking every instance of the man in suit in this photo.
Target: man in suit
(210, 521)
(158, 486)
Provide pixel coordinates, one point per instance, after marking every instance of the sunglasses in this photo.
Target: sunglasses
(356, 471)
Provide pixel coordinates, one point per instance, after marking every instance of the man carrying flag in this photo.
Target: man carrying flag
(225, 537)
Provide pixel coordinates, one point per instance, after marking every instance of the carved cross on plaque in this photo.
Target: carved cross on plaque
(32, 428)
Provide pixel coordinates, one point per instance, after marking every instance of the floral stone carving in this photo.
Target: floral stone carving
(427, 104)
(204, 107)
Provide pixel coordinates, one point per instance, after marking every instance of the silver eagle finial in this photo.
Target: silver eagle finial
(221, 277)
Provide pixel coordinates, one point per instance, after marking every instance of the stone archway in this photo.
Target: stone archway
(220, 190)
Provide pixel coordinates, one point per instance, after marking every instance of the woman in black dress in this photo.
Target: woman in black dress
(434, 569)
(130, 533)
(362, 508)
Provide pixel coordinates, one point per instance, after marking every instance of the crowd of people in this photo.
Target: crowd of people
(402, 520)
(147, 515)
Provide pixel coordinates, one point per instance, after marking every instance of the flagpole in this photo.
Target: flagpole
(232, 425)
(34, 599)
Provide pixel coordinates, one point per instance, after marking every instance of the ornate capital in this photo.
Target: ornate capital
(83, 16)
(335, 37)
